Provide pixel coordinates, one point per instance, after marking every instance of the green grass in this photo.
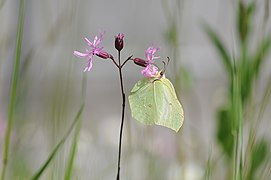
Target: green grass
(59, 145)
(13, 89)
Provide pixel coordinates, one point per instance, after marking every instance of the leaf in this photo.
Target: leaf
(61, 142)
(261, 54)
(220, 48)
(154, 101)
(224, 131)
(246, 81)
(259, 154)
(251, 70)
(244, 19)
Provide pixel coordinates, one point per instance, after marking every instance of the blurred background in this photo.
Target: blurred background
(212, 44)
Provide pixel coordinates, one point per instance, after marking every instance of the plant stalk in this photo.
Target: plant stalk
(12, 98)
(122, 114)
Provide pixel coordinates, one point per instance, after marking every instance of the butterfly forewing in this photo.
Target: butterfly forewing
(141, 102)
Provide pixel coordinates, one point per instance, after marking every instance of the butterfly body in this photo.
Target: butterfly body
(154, 101)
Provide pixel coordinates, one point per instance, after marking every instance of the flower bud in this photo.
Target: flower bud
(104, 55)
(140, 62)
(119, 41)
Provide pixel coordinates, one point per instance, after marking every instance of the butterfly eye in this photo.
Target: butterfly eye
(162, 73)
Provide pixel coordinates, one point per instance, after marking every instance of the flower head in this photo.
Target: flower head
(95, 50)
(151, 69)
(119, 41)
(150, 54)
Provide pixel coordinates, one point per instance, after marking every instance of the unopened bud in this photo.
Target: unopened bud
(119, 41)
(104, 55)
(140, 62)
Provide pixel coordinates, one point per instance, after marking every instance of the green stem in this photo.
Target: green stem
(238, 124)
(241, 163)
(235, 162)
(12, 98)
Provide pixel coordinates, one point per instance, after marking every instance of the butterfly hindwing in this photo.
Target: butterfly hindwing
(169, 109)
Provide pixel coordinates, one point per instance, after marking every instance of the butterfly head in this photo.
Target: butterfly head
(161, 74)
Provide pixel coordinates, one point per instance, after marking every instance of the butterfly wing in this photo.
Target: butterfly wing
(142, 103)
(169, 109)
(154, 101)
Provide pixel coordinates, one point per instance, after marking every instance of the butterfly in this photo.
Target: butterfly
(154, 101)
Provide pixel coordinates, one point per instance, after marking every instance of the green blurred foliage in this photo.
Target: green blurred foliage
(245, 12)
(224, 135)
(258, 157)
(171, 35)
(181, 75)
(243, 72)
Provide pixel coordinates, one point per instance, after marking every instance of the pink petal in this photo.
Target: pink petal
(97, 50)
(101, 35)
(150, 53)
(95, 41)
(79, 54)
(89, 65)
(99, 40)
(150, 71)
(155, 57)
(88, 41)
(121, 35)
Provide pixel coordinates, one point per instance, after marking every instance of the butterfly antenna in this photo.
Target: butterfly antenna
(168, 60)
(165, 65)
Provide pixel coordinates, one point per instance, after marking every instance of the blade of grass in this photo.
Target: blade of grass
(238, 122)
(69, 168)
(264, 103)
(12, 98)
(53, 153)
(261, 54)
(208, 169)
(219, 46)
(255, 127)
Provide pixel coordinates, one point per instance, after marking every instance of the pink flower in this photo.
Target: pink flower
(150, 54)
(150, 70)
(95, 50)
(119, 41)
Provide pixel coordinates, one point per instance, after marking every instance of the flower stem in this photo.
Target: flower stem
(12, 98)
(129, 58)
(122, 115)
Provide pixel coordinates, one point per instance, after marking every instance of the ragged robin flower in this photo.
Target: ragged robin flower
(95, 50)
(119, 41)
(150, 70)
